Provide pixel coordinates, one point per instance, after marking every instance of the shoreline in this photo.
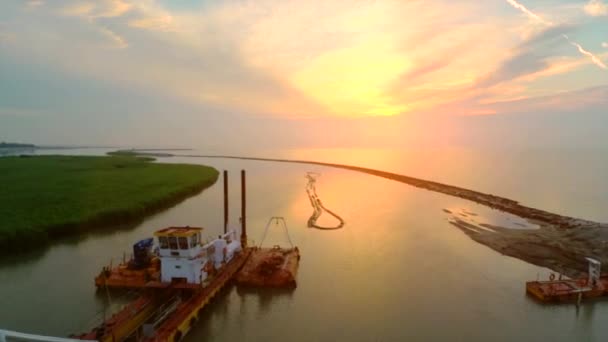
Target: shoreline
(561, 243)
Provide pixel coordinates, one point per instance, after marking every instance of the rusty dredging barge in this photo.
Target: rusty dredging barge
(177, 275)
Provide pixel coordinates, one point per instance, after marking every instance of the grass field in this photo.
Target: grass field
(46, 196)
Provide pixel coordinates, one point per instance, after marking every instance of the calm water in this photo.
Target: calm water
(397, 270)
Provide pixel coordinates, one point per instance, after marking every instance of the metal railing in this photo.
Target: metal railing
(13, 336)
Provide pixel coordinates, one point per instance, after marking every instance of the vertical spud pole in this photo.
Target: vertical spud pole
(243, 210)
(225, 201)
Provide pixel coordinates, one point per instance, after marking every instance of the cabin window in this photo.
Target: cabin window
(183, 242)
(193, 241)
(162, 241)
(172, 242)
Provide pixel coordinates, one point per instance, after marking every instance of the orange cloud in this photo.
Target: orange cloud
(596, 8)
(97, 9)
(161, 23)
(32, 4)
(376, 58)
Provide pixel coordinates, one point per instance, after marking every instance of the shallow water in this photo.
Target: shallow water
(396, 271)
(564, 181)
(486, 218)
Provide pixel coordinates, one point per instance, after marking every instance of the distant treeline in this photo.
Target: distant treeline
(15, 145)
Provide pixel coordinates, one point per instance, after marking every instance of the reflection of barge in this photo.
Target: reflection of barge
(571, 290)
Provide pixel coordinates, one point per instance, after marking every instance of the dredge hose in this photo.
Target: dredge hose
(318, 207)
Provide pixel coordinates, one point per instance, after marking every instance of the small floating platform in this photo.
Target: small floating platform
(270, 267)
(570, 290)
(567, 290)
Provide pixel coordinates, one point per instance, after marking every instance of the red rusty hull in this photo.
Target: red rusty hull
(128, 322)
(122, 276)
(271, 267)
(566, 290)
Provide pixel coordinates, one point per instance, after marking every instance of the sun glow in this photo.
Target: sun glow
(352, 81)
(297, 59)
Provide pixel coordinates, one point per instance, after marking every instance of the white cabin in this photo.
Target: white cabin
(185, 260)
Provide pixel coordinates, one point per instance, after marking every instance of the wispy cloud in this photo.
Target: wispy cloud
(605, 45)
(117, 41)
(595, 96)
(97, 9)
(158, 23)
(559, 66)
(92, 12)
(83, 9)
(527, 58)
(32, 4)
(593, 57)
(596, 8)
(529, 13)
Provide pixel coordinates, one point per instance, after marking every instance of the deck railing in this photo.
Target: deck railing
(13, 336)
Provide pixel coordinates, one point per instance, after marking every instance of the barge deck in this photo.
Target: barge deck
(164, 313)
(570, 290)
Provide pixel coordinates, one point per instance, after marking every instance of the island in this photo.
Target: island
(4, 144)
(11, 148)
(44, 197)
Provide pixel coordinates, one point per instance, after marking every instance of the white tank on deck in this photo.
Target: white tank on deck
(220, 250)
(234, 244)
(232, 248)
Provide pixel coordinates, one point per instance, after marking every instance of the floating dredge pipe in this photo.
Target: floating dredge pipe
(318, 206)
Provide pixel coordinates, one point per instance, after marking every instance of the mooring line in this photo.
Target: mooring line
(317, 205)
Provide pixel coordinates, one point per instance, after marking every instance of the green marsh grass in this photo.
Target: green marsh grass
(46, 196)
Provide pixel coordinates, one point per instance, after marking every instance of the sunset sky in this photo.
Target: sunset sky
(192, 72)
